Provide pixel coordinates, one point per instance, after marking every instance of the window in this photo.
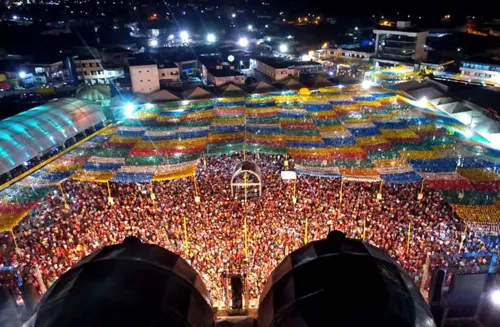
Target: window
(162, 74)
(147, 71)
(149, 80)
(140, 71)
(141, 80)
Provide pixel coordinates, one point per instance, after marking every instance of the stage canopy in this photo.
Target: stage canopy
(343, 282)
(30, 133)
(128, 284)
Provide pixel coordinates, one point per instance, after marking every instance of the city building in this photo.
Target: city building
(144, 76)
(360, 53)
(115, 56)
(278, 69)
(481, 67)
(112, 72)
(54, 69)
(221, 74)
(90, 70)
(168, 73)
(400, 44)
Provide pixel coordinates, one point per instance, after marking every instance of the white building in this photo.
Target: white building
(282, 69)
(90, 70)
(221, 75)
(359, 53)
(144, 76)
(401, 44)
(482, 67)
(169, 73)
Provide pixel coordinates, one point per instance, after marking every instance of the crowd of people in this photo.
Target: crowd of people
(223, 234)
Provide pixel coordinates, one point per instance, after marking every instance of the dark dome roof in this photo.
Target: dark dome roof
(341, 282)
(128, 284)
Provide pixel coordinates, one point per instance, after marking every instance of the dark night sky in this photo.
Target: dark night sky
(421, 7)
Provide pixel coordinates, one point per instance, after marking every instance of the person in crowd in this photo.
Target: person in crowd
(225, 235)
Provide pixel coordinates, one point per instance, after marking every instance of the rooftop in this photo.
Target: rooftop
(167, 64)
(224, 72)
(278, 63)
(86, 58)
(408, 30)
(141, 62)
(491, 60)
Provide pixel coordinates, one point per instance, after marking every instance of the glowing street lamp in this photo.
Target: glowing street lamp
(366, 84)
(22, 74)
(283, 48)
(233, 15)
(495, 297)
(129, 110)
(184, 36)
(250, 27)
(243, 42)
(211, 38)
(154, 43)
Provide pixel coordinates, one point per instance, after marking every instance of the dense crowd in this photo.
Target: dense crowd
(52, 238)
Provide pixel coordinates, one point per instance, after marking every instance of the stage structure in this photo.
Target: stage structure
(246, 179)
(341, 282)
(127, 284)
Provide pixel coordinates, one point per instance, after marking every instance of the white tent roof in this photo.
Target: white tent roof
(162, 95)
(263, 87)
(292, 84)
(232, 90)
(198, 93)
(320, 81)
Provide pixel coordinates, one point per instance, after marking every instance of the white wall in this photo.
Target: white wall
(275, 74)
(420, 53)
(144, 78)
(90, 70)
(219, 81)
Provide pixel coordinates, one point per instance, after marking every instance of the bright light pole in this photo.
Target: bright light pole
(243, 42)
(366, 84)
(211, 38)
(22, 74)
(154, 43)
(233, 15)
(129, 110)
(495, 297)
(184, 36)
(250, 27)
(283, 48)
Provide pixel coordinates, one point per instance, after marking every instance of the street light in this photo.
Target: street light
(129, 110)
(495, 297)
(184, 36)
(22, 74)
(154, 43)
(233, 15)
(283, 48)
(250, 27)
(366, 84)
(211, 38)
(243, 42)
(268, 39)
